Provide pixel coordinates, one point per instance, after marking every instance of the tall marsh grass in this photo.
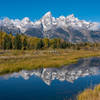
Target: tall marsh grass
(15, 60)
(90, 94)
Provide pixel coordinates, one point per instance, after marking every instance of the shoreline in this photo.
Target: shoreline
(16, 60)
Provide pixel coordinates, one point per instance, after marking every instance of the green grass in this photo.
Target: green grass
(90, 94)
(15, 60)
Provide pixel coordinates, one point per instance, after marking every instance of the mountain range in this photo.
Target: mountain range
(68, 28)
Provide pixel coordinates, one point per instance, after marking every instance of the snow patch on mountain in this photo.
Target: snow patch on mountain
(48, 22)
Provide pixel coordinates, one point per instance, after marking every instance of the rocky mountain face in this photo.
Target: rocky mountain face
(68, 28)
(85, 67)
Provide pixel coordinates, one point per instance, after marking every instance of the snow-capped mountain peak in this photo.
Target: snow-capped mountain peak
(71, 16)
(47, 21)
(26, 20)
(49, 26)
(49, 14)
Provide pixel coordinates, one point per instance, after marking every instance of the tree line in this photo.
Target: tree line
(22, 41)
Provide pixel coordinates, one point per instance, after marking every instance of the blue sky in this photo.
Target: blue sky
(35, 9)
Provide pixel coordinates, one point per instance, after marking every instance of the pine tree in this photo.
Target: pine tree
(39, 44)
(7, 43)
(24, 44)
(64, 45)
(17, 42)
(53, 43)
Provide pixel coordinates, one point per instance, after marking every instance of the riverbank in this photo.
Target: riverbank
(90, 94)
(16, 60)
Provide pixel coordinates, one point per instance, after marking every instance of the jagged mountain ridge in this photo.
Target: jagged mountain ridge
(68, 28)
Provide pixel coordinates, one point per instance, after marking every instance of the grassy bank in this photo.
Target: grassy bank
(15, 60)
(90, 94)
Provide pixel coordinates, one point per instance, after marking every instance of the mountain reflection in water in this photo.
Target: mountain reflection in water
(84, 67)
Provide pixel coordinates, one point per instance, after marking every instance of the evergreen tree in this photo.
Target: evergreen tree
(63, 45)
(17, 42)
(7, 43)
(39, 44)
(58, 43)
(24, 44)
(53, 43)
